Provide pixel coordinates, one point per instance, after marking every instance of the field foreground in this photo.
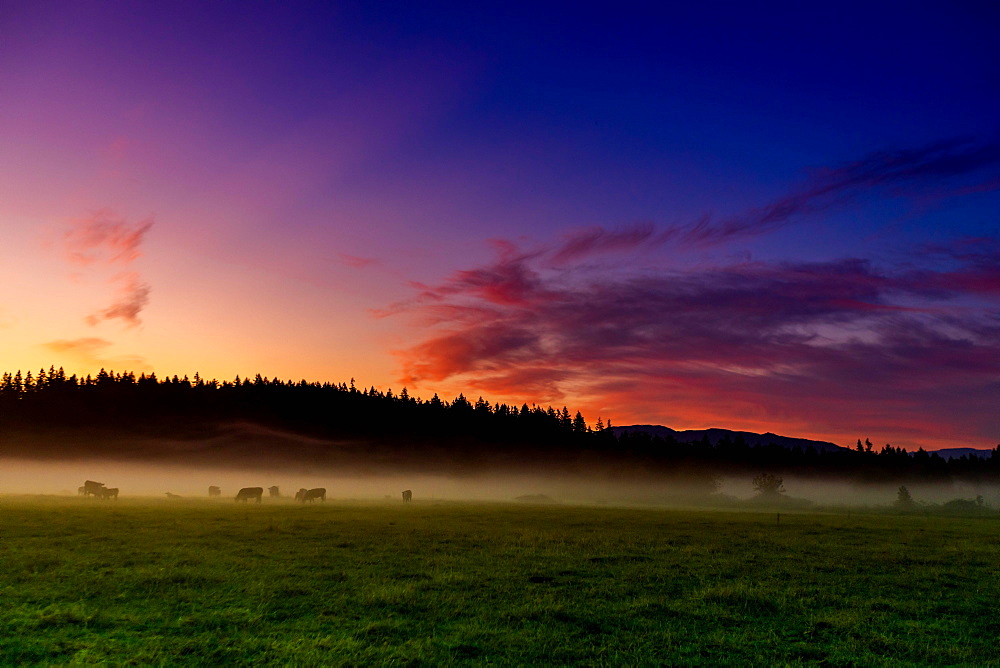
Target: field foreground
(347, 583)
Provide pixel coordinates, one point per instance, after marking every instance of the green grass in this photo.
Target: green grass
(348, 583)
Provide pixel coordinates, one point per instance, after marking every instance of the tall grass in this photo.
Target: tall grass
(157, 582)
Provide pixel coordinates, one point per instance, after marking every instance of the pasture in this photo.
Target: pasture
(157, 581)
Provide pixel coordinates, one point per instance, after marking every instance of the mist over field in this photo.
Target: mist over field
(21, 476)
(189, 457)
(147, 436)
(150, 479)
(846, 493)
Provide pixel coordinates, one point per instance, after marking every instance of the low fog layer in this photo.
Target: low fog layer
(19, 476)
(61, 477)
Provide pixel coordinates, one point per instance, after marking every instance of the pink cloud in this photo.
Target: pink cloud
(103, 237)
(593, 240)
(356, 261)
(820, 348)
(132, 297)
(825, 349)
(104, 240)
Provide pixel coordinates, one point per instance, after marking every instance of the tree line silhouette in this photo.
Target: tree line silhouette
(405, 430)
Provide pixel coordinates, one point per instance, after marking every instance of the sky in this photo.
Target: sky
(780, 217)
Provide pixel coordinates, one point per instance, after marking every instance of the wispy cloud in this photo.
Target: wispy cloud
(939, 170)
(106, 240)
(90, 346)
(841, 347)
(975, 266)
(131, 298)
(356, 261)
(771, 340)
(594, 240)
(93, 352)
(899, 173)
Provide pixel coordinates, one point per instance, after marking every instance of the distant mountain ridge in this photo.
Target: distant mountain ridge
(755, 439)
(751, 438)
(955, 453)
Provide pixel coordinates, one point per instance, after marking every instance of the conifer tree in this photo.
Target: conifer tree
(903, 499)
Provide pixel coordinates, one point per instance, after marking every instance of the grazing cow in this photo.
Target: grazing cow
(273, 492)
(171, 495)
(250, 493)
(214, 491)
(82, 491)
(311, 495)
(407, 496)
(109, 493)
(91, 488)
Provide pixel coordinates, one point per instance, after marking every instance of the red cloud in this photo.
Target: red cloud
(102, 240)
(819, 347)
(132, 297)
(103, 237)
(814, 348)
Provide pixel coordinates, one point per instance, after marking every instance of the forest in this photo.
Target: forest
(50, 414)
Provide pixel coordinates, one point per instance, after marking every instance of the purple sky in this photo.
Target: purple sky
(776, 218)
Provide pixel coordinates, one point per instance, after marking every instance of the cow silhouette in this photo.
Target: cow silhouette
(171, 495)
(91, 488)
(407, 496)
(108, 493)
(214, 491)
(311, 495)
(273, 492)
(82, 491)
(248, 493)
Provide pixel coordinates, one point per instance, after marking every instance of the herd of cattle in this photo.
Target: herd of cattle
(99, 491)
(257, 493)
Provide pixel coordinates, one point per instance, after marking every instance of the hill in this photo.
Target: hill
(270, 423)
(753, 439)
(955, 453)
(715, 435)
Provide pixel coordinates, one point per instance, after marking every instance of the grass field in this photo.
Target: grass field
(349, 583)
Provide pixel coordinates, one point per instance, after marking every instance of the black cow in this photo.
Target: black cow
(273, 492)
(108, 493)
(311, 495)
(250, 493)
(214, 491)
(407, 496)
